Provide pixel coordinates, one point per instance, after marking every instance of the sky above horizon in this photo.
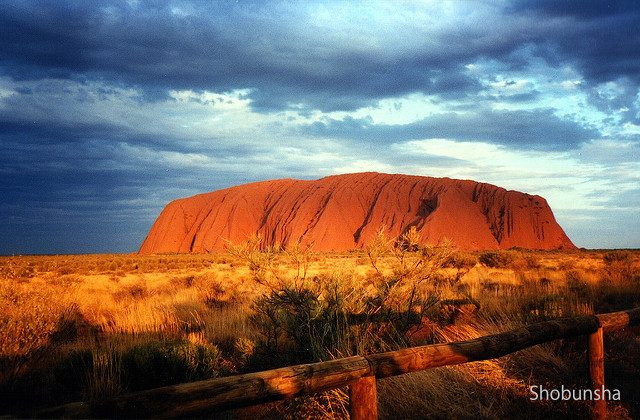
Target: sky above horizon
(111, 109)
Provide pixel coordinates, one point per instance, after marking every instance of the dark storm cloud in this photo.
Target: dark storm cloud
(600, 38)
(527, 130)
(583, 9)
(90, 187)
(153, 48)
(56, 161)
(83, 137)
(520, 97)
(621, 98)
(223, 48)
(55, 202)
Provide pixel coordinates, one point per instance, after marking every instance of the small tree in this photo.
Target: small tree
(412, 264)
(317, 318)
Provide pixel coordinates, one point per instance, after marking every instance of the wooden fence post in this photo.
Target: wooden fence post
(596, 370)
(363, 402)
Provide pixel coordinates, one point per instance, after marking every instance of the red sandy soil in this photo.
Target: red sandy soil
(343, 212)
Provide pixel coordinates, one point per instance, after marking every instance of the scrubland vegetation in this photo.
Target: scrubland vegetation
(86, 328)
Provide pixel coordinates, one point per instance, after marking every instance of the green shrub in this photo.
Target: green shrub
(317, 319)
(159, 363)
(300, 326)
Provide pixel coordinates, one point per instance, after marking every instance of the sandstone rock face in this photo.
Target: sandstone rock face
(344, 212)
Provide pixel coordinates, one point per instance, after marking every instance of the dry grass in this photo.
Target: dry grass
(81, 321)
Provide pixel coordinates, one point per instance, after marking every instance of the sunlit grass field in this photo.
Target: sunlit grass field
(90, 327)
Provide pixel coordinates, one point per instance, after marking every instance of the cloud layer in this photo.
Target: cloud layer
(110, 109)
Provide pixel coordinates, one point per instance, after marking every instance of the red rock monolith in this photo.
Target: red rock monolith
(344, 212)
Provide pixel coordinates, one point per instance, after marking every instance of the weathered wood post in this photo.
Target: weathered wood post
(596, 370)
(363, 401)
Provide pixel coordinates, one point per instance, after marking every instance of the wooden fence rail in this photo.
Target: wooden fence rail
(357, 372)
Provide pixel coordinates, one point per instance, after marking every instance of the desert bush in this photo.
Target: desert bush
(243, 349)
(298, 323)
(71, 372)
(178, 282)
(260, 261)
(104, 377)
(17, 268)
(216, 295)
(318, 318)
(566, 265)
(66, 269)
(531, 261)
(615, 257)
(56, 377)
(460, 261)
(136, 291)
(97, 373)
(620, 269)
(402, 290)
(71, 324)
(495, 259)
(576, 284)
(158, 363)
(543, 308)
(28, 321)
(267, 263)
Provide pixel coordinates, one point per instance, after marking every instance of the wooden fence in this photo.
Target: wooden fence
(357, 372)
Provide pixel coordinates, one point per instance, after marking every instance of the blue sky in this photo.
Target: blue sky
(110, 109)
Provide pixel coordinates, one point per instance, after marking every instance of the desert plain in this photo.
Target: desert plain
(92, 327)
